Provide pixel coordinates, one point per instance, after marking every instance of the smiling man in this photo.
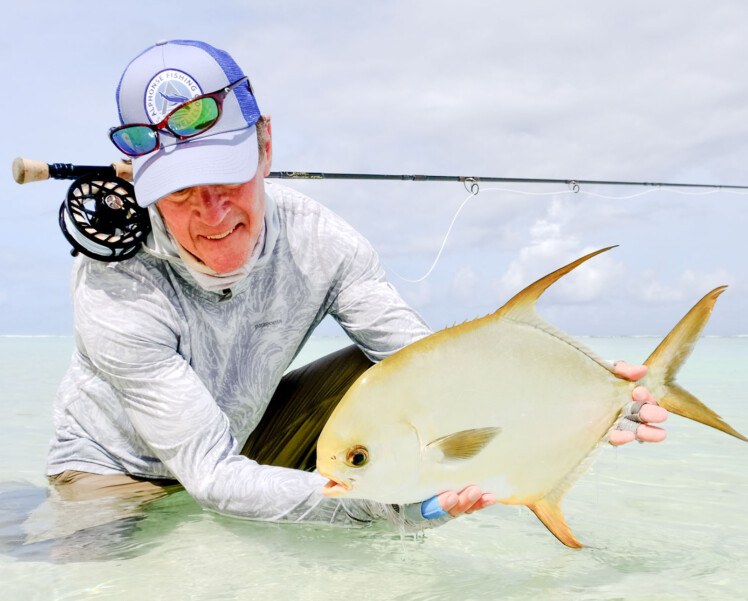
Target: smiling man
(219, 225)
(178, 373)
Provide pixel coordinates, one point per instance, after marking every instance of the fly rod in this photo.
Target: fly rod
(574, 183)
(101, 218)
(26, 170)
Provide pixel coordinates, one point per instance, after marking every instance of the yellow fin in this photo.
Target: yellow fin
(524, 301)
(667, 358)
(521, 308)
(464, 444)
(549, 512)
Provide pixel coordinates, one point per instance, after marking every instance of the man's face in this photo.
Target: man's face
(219, 224)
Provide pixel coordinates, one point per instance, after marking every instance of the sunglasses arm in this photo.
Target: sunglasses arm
(26, 170)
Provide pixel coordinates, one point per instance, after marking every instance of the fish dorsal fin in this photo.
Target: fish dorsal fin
(549, 512)
(522, 305)
(464, 444)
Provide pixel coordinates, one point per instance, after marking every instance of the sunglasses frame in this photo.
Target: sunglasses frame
(219, 96)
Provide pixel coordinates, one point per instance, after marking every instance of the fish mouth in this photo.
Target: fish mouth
(335, 487)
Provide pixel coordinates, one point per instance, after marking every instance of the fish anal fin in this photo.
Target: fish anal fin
(525, 300)
(464, 444)
(549, 512)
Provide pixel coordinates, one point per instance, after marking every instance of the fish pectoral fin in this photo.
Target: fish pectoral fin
(464, 444)
(549, 512)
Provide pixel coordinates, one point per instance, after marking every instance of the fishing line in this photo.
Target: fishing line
(101, 219)
(472, 194)
(574, 188)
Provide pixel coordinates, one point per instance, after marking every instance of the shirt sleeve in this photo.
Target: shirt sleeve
(368, 307)
(127, 330)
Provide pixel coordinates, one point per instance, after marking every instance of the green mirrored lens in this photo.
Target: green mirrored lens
(194, 117)
(135, 140)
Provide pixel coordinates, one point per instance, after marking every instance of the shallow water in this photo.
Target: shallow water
(662, 521)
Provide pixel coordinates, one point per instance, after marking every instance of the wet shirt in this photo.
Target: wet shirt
(168, 380)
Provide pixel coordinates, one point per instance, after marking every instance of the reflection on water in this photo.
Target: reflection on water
(37, 525)
(661, 522)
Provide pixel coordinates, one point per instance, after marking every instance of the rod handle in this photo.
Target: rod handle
(123, 170)
(27, 170)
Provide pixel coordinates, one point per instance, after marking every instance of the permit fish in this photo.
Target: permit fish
(507, 402)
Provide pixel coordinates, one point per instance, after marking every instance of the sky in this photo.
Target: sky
(634, 91)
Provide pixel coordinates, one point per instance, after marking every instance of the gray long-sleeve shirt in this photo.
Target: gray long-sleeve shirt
(168, 380)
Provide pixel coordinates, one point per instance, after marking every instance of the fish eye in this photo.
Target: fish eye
(357, 456)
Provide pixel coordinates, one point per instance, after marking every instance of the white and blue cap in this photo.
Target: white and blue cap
(162, 78)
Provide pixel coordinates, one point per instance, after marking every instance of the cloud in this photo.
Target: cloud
(690, 285)
(541, 89)
(418, 295)
(554, 242)
(465, 285)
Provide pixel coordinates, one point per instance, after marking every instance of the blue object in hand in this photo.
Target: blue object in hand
(431, 510)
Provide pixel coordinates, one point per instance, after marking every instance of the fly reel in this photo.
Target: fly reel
(101, 219)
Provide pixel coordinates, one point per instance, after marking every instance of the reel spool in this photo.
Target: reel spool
(101, 219)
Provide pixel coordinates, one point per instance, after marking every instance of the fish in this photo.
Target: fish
(174, 99)
(507, 402)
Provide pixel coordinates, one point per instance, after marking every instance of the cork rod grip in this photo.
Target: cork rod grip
(27, 170)
(123, 170)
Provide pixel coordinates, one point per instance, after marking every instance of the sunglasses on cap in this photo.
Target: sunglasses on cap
(189, 119)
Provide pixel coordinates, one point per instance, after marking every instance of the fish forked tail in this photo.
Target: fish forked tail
(667, 359)
(663, 365)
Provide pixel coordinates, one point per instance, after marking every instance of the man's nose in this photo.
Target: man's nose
(212, 204)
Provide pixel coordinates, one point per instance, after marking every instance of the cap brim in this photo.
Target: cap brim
(223, 158)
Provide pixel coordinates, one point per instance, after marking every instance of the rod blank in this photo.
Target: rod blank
(26, 170)
(468, 179)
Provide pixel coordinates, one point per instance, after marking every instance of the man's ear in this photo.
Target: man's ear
(268, 146)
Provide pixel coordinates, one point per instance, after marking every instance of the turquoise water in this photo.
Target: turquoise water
(661, 521)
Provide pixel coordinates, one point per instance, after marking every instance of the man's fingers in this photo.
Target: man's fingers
(619, 437)
(637, 414)
(653, 413)
(643, 433)
(485, 500)
(464, 500)
(629, 372)
(647, 433)
(642, 412)
(447, 500)
(467, 501)
(467, 498)
(642, 395)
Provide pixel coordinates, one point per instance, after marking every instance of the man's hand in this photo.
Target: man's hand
(644, 410)
(470, 499)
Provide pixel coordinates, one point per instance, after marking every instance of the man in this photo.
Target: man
(180, 348)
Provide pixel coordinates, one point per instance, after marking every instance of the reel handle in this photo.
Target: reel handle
(27, 170)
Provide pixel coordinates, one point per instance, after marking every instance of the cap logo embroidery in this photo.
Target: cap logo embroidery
(167, 90)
